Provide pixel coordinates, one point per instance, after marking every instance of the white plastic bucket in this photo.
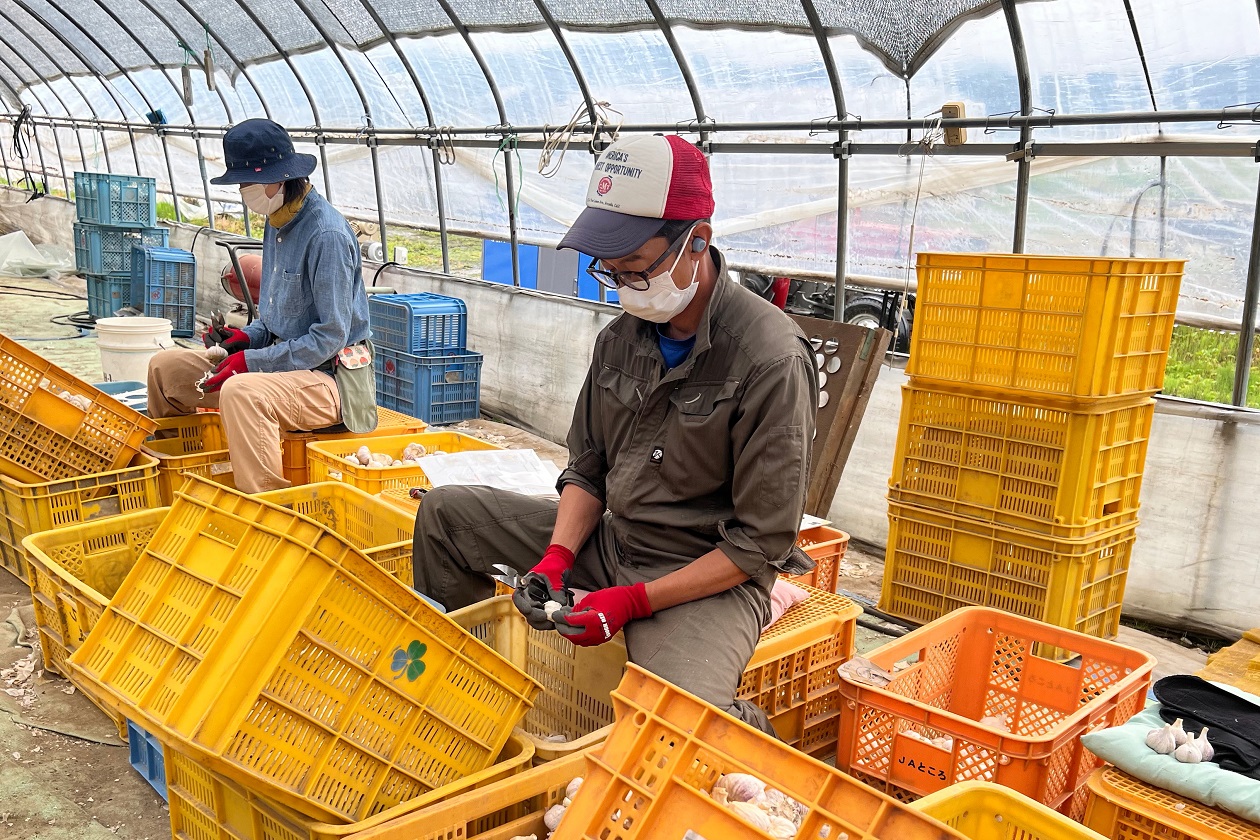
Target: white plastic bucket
(127, 344)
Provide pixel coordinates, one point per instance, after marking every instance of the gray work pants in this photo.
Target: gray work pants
(702, 646)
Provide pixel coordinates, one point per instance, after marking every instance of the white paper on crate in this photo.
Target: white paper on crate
(517, 470)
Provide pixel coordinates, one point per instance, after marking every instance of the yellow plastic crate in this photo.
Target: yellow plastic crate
(283, 658)
(44, 438)
(792, 674)
(1123, 808)
(27, 509)
(293, 444)
(328, 459)
(207, 806)
(1237, 665)
(936, 563)
(1061, 473)
(985, 811)
(197, 445)
(1044, 325)
(503, 811)
(576, 680)
(74, 571)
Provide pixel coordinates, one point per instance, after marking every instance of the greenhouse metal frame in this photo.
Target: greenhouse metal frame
(765, 86)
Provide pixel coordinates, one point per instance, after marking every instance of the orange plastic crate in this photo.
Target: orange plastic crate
(197, 444)
(936, 563)
(207, 806)
(244, 624)
(668, 747)
(826, 546)
(1237, 665)
(1044, 325)
(977, 663)
(1053, 471)
(27, 509)
(293, 444)
(44, 438)
(1123, 808)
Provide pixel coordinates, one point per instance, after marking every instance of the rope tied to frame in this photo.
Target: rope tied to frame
(559, 139)
(507, 145)
(932, 135)
(23, 134)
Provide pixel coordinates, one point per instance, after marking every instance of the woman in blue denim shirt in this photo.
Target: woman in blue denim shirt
(278, 374)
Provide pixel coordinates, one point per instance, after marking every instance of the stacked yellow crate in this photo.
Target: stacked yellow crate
(1023, 435)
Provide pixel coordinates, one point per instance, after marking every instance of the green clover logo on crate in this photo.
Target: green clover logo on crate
(409, 661)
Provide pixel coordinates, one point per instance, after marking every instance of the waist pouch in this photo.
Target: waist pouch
(355, 372)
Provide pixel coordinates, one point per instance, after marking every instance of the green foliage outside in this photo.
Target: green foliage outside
(424, 250)
(1201, 366)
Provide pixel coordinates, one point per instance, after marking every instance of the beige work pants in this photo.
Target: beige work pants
(254, 408)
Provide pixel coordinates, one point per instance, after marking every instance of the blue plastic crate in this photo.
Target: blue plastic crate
(147, 758)
(107, 293)
(165, 280)
(437, 389)
(107, 250)
(423, 323)
(118, 200)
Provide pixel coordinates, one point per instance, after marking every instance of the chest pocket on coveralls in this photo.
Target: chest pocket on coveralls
(621, 395)
(697, 446)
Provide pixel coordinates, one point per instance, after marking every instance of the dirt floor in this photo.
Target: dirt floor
(64, 774)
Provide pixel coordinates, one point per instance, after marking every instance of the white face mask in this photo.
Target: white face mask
(662, 300)
(256, 199)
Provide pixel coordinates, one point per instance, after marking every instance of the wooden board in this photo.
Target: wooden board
(850, 360)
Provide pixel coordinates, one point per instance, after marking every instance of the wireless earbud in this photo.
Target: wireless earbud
(698, 244)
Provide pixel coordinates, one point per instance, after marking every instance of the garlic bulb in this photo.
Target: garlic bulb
(1189, 753)
(1179, 734)
(552, 818)
(781, 829)
(216, 353)
(574, 786)
(740, 787)
(779, 804)
(364, 455)
(1205, 748)
(999, 722)
(1161, 740)
(750, 814)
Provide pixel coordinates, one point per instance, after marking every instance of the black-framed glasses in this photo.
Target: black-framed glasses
(638, 281)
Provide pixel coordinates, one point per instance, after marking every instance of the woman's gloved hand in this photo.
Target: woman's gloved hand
(229, 338)
(230, 366)
(545, 582)
(601, 614)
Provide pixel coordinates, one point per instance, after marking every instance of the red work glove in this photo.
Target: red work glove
(229, 338)
(230, 366)
(545, 582)
(601, 614)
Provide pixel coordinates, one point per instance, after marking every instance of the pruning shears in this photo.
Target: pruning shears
(217, 333)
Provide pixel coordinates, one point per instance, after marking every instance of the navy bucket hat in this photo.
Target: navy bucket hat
(259, 151)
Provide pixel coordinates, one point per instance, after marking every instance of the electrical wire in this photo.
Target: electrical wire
(384, 266)
(560, 138)
(81, 320)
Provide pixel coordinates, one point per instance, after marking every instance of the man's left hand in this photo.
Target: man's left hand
(598, 617)
(230, 366)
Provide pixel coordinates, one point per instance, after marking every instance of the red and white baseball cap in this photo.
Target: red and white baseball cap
(638, 184)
